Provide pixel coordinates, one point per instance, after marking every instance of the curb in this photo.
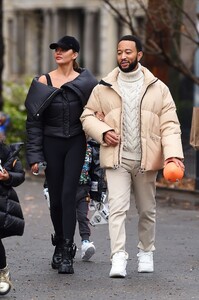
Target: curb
(178, 198)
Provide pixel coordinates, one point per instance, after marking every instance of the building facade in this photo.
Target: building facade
(31, 25)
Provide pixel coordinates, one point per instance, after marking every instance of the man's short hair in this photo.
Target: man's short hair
(132, 38)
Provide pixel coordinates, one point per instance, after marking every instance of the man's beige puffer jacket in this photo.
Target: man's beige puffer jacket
(160, 128)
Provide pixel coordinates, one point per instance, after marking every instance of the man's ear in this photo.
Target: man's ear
(140, 55)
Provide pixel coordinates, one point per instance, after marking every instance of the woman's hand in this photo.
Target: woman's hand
(4, 175)
(100, 116)
(35, 168)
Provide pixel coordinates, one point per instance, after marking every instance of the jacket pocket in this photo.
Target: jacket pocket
(152, 152)
(109, 156)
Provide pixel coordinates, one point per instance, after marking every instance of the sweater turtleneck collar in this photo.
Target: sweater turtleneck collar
(131, 76)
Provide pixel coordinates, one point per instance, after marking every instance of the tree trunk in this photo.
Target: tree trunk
(1, 53)
(154, 62)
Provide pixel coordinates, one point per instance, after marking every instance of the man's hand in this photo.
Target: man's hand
(111, 138)
(176, 160)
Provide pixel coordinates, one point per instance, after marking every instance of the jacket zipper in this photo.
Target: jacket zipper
(142, 170)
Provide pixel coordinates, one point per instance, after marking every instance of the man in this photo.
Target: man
(139, 133)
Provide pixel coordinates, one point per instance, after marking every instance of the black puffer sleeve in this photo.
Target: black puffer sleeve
(38, 98)
(34, 140)
(17, 175)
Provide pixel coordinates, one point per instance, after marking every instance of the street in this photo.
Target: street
(176, 257)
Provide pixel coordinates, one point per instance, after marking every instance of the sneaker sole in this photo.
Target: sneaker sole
(88, 254)
(66, 270)
(145, 270)
(5, 292)
(117, 275)
(55, 266)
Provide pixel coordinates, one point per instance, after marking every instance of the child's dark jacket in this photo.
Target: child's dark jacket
(11, 216)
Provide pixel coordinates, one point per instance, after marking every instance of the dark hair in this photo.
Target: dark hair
(132, 38)
(75, 65)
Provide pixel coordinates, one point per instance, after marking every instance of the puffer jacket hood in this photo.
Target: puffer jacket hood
(40, 95)
(83, 85)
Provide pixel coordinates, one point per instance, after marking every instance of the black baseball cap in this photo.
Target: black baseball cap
(67, 42)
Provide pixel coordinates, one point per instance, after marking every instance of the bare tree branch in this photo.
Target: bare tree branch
(117, 12)
(193, 24)
(169, 22)
(129, 17)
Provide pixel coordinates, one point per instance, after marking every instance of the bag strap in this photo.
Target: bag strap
(49, 82)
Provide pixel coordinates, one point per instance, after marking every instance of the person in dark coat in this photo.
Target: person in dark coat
(54, 104)
(11, 215)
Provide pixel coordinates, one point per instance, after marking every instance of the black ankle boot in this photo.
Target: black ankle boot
(58, 242)
(66, 266)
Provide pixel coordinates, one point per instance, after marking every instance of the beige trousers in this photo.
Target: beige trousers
(121, 182)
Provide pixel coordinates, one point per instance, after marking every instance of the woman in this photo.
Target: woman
(54, 104)
(11, 215)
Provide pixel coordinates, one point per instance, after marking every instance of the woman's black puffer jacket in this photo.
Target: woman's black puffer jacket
(11, 215)
(55, 112)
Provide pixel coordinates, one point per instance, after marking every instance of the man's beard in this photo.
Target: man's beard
(130, 68)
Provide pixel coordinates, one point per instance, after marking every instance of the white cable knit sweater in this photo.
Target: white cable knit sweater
(130, 85)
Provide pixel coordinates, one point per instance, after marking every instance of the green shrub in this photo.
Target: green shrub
(14, 95)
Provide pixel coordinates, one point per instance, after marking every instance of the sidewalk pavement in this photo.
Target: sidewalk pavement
(176, 258)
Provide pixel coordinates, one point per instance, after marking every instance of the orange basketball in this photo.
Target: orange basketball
(172, 172)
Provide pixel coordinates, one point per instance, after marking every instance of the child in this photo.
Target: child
(83, 199)
(11, 216)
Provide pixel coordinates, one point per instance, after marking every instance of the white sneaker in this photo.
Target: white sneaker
(119, 262)
(47, 197)
(5, 284)
(145, 261)
(88, 249)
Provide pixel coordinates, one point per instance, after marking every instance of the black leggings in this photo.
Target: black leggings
(2, 256)
(65, 158)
